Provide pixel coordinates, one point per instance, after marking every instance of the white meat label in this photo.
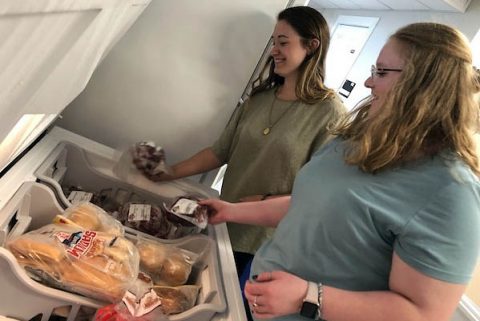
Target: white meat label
(76, 197)
(139, 212)
(184, 206)
(142, 306)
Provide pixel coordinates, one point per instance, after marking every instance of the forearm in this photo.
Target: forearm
(341, 305)
(203, 161)
(260, 197)
(264, 213)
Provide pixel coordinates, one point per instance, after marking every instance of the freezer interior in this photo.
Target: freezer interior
(35, 205)
(77, 174)
(70, 166)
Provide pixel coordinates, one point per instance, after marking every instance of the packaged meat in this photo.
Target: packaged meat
(161, 222)
(187, 211)
(149, 158)
(147, 218)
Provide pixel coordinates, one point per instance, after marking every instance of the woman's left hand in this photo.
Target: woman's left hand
(275, 293)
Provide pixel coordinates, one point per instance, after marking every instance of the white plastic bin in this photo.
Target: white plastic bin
(70, 164)
(35, 205)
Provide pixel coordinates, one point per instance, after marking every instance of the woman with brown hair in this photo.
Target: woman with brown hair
(276, 131)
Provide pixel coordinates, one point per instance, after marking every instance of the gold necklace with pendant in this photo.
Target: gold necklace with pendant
(270, 125)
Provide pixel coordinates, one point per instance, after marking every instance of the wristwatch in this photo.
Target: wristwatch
(310, 306)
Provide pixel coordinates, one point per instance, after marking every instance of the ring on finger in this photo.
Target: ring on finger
(255, 304)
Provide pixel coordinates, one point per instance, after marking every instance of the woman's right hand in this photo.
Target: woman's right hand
(160, 177)
(220, 211)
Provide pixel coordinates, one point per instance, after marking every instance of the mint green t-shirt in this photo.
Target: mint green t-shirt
(344, 225)
(261, 164)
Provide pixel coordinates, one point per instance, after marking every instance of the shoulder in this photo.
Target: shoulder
(456, 189)
(333, 106)
(457, 171)
(259, 99)
(262, 95)
(335, 145)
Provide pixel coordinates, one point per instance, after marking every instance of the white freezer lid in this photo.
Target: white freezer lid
(48, 52)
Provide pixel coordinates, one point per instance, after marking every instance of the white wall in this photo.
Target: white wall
(390, 21)
(176, 76)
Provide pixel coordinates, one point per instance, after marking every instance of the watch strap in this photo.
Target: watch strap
(310, 302)
(320, 302)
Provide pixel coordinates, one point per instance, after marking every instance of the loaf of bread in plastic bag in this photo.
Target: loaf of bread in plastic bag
(92, 263)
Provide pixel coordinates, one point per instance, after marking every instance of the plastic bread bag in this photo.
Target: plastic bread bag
(186, 211)
(92, 217)
(167, 264)
(146, 218)
(95, 264)
(178, 299)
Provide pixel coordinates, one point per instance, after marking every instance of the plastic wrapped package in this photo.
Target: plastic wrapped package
(147, 218)
(176, 299)
(92, 263)
(149, 158)
(146, 302)
(92, 217)
(120, 312)
(145, 157)
(154, 305)
(186, 211)
(165, 222)
(167, 264)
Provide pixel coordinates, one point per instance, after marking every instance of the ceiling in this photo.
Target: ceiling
(430, 5)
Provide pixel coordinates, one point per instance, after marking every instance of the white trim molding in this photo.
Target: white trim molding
(469, 309)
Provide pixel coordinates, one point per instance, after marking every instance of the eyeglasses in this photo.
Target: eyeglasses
(379, 72)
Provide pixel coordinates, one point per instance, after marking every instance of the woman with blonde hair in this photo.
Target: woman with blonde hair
(384, 221)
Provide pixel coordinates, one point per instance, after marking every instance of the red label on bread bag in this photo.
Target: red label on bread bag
(81, 241)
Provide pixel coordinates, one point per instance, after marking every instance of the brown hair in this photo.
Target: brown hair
(309, 24)
(431, 107)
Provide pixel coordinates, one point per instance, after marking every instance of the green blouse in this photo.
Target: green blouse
(267, 164)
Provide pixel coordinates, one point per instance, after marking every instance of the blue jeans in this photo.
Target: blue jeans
(243, 262)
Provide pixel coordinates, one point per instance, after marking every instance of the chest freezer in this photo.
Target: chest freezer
(62, 158)
(48, 52)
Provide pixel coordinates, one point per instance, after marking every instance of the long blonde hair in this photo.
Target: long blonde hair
(431, 107)
(310, 87)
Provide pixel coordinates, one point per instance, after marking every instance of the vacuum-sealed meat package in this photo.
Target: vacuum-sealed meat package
(164, 222)
(149, 158)
(145, 157)
(188, 212)
(146, 218)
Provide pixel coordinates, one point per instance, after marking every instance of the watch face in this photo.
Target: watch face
(309, 310)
